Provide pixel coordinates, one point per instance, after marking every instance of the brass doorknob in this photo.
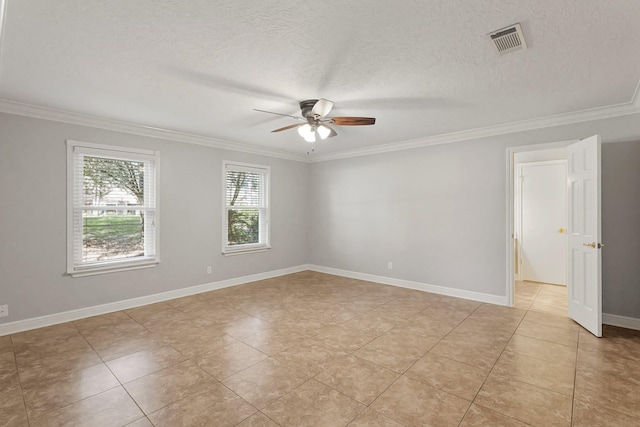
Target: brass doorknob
(562, 230)
(592, 244)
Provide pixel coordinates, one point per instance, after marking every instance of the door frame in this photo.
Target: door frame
(518, 195)
(510, 207)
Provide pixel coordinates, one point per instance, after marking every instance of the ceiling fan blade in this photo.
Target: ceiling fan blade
(353, 121)
(288, 127)
(322, 107)
(333, 132)
(280, 114)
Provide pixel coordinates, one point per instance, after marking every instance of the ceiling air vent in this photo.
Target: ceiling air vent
(509, 39)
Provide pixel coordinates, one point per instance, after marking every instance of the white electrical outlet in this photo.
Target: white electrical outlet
(209, 270)
(4, 310)
(390, 265)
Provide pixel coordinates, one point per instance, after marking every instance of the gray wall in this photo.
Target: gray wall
(439, 213)
(621, 228)
(33, 219)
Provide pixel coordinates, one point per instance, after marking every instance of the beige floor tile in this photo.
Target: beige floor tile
(55, 332)
(110, 332)
(357, 378)
(558, 310)
(159, 321)
(119, 346)
(395, 312)
(551, 375)
(12, 410)
(313, 404)
(258, 420)
(244, 327)
(472, 349)
(345, 338)
(525, 402)
(272, 341)
(199, 341)
(137, 365)
(608, 389)
(589, 415)
(541, 349)
(110, 319)
(67, 389)
(140, 314)
(371, 418)
(264, 382)
(28, 352)
(554, 334)
(5, 342)
(551, 320)
(310, 357)
(313, 323)
(522, 304)
(47, 368)
(229, 359)
(214, 405)
(526, 290)
(411, 402)
(477, 416)
(168, 385)
(448, 375)
(110, 408)
(396, 350)
(370, 324)
(142, 422)
(8, 370)
(608, 363)
(624, 343)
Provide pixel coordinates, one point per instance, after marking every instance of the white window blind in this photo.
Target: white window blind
(246, 207)
(113, 218)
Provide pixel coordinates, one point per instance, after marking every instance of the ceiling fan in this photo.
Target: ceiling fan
(314, 120)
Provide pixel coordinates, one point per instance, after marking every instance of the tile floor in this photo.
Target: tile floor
(311, 349)
(542, 297)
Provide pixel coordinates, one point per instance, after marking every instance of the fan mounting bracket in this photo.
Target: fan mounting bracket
(306, 106)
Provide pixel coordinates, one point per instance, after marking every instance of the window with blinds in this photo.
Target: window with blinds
(112, 208)
(246, 207)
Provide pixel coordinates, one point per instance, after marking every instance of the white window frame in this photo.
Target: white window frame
(264, 240)
(75, 267)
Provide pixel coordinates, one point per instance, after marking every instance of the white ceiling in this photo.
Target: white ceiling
(422, 68)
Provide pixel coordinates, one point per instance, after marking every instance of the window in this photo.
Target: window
(246, 208)
(112, 218)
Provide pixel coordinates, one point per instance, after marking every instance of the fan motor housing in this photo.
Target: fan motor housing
(306, 106)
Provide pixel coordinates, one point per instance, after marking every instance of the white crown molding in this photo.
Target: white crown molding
(82, 313)
(599, 113)
(29, 110)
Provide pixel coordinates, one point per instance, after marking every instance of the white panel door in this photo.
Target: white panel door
(585, 255)
(544, 221)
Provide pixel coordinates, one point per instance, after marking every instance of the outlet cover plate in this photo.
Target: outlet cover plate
(4, 310)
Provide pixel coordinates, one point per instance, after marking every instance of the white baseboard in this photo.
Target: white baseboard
(67, 316)
(621, 321)
(441, 290)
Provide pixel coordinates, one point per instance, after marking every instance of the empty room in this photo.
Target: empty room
(319, 213)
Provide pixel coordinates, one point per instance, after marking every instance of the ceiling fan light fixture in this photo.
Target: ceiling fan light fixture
(305, 130)
(310, 137)
(323, 131)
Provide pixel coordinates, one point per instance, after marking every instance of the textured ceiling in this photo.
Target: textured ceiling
(422, 67)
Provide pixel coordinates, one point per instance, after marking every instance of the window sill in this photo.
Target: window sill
(92, 271)
(245, 251)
